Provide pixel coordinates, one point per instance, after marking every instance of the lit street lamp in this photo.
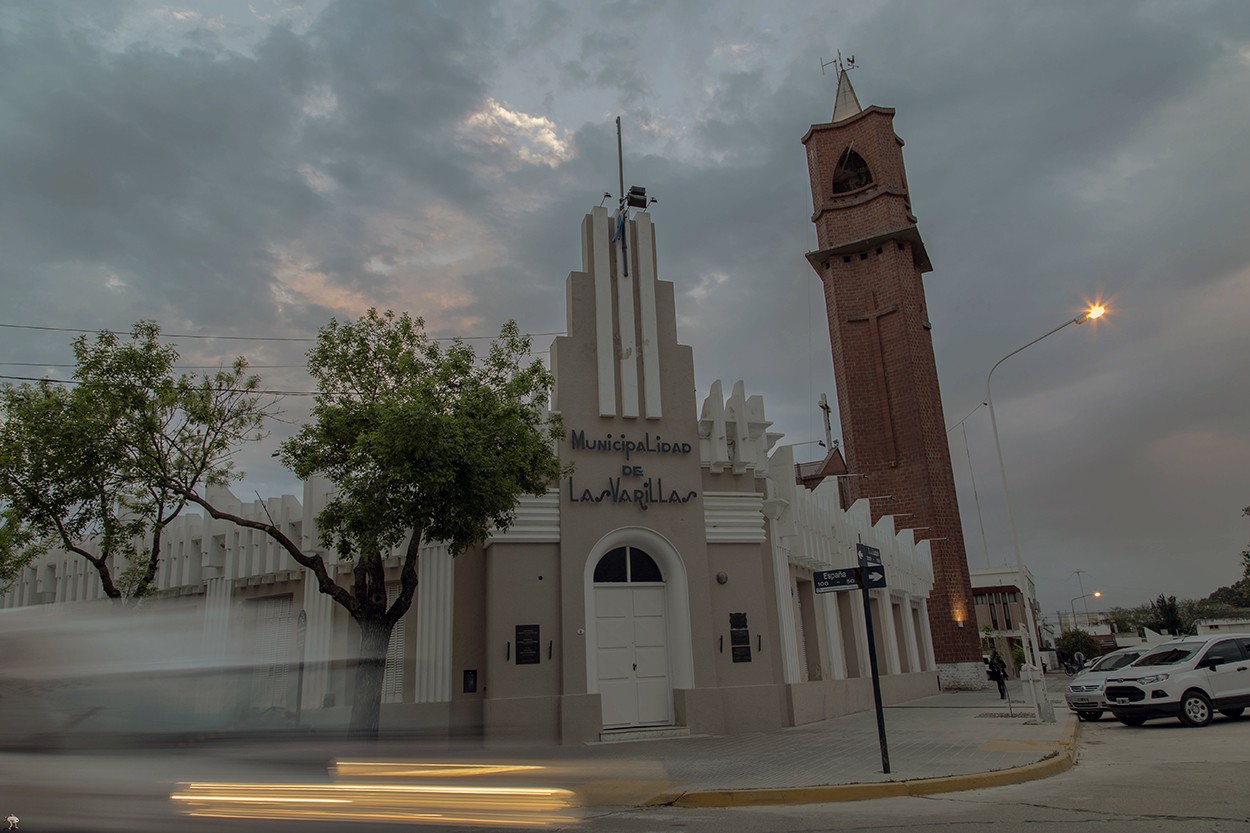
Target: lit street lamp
(1035, 686)
(1097, 594)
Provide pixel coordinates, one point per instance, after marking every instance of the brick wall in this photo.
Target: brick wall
(893, 428)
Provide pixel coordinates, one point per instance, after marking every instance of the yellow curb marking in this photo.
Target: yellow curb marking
(1061, 761)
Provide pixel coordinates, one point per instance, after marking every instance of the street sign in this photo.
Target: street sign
(868, 555)
(874, 576)
(831, 581)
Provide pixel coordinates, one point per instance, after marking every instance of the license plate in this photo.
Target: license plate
(1084, 701)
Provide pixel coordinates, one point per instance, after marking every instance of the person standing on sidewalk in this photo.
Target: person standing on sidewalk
(998, 673)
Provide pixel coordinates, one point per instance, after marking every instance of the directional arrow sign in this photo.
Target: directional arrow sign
(868, 556)
(874, 576)
(831, 581)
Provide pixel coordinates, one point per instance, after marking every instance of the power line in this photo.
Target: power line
(227, 390)
(243, 338)
(176, 367)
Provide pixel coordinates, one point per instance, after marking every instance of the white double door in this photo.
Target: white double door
(632, 653)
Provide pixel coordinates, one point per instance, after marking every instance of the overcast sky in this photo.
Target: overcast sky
(253, 168)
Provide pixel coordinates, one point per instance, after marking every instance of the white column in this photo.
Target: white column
(909, 634)
(435, 607)
(926, 637)
(889, 636)
(627, 356)
(215, 637)
(597, 249)
(318, 643)
(785, 613)
(650, 345)
(860, 625)
(833, 632)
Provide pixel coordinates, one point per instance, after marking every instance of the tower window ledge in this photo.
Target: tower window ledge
(858, 197)
(844, 196)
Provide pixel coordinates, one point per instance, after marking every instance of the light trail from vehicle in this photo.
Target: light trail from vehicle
(367, 801)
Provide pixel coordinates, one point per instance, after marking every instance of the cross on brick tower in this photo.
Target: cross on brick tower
(882, 384)
(870, 261)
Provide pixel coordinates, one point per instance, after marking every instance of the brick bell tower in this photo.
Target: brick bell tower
(870, 260)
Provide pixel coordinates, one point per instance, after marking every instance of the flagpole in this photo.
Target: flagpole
(620, 160)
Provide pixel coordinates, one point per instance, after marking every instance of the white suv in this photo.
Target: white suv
(1189, 679)
(1084, 694)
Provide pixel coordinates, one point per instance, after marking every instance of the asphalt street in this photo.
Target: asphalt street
(1160, 777)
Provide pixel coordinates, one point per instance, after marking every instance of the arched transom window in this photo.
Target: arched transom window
(627, 565)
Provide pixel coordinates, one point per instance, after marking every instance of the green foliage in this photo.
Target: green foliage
(97, 469)
(1017, 655)
(421, 442)
(1075, 640)
(1131, 619)
(1167, 616)
(418, 436)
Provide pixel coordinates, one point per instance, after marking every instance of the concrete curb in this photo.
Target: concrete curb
(1059, 761)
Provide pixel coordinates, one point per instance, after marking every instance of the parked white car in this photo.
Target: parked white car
(1085, 692)
(1189, 679)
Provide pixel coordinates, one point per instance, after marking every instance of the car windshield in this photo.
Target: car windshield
(1171, 655)
(1113, 661)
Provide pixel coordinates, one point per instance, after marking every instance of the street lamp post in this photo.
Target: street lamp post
(1097, 594)
(1035, 686)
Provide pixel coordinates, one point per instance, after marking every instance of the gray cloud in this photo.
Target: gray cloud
(254, 173)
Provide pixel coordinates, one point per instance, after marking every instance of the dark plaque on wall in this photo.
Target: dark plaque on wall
(527, 647)
(739, 637)
(470, 681)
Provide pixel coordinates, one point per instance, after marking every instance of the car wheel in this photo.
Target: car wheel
(1234, 713)
(1195, 708)
(1089, 716)
(1131, 720)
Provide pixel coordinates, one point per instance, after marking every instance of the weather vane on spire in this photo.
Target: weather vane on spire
(842, 64)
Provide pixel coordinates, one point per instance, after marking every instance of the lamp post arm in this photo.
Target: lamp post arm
(1080, 319)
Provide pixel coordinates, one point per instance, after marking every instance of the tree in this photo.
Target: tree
(1131, 619)
(422, 442)
(1075, 640)
(1167, 616)
(84, 468)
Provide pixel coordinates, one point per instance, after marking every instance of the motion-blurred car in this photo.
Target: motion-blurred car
(1085, 692)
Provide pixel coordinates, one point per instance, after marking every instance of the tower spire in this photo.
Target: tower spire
(846, 104)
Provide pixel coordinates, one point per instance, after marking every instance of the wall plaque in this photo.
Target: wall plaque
(527, 647)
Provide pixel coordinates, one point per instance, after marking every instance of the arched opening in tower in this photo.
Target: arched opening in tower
(852, 173)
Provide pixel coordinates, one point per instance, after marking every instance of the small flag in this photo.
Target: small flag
(620, 227)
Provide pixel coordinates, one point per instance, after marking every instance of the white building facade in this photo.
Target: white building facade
(665, 584)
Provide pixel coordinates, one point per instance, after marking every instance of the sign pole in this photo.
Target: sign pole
(876, 680)
(870, 574)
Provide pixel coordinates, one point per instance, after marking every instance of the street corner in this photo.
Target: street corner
(626, 793)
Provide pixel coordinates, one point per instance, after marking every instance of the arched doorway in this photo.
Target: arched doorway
(608, 598)
(631, 639)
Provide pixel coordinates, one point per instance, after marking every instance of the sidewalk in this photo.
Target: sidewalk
(944, 743)
(948, 742)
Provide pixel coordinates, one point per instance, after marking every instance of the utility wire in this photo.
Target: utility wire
(242, 338)
(230, 390)
(177, 366)
(965, 419)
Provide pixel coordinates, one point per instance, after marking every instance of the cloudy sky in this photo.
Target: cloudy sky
(250, 169)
